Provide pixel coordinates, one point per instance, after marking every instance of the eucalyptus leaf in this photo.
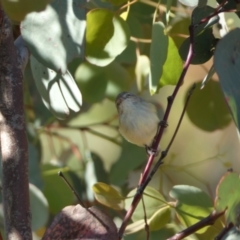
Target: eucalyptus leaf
(227, 66)
(56, 35)
(227, 197)
(107, 36)
(158, 55)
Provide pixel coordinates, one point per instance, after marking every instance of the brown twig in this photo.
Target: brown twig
(209, 220)
(60, 174)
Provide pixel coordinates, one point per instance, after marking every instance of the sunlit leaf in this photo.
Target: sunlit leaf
(192, 204)
(107, 36)
(160, 218)
(56, 36)
(172, 67)
(180, 31)
(108, 196)
(97, 82)
(59, 92)
(153, 201)
(227, 197)
(142, 71)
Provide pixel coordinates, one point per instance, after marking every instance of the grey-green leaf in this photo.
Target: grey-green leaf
(47, 82)
(158, 55)
(227, 66)
(56, 36)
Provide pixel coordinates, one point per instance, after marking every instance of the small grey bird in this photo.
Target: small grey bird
(138, 119)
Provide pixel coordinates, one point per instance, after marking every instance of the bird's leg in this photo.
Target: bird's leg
(151, 151)
(163, 124)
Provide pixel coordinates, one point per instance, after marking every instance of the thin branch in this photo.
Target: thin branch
(209, 220)
(60, 174)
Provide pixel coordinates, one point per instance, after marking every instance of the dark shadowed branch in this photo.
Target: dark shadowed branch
(13, 138)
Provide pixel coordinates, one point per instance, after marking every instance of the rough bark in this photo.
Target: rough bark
(13, 138)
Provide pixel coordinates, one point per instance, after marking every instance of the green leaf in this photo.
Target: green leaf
(57, 193)
(228, 197)
(160, 218)
(108, 196)
(153, 200)
(96, 82)
(203, 45)
(118, 78)
(107, 36)
(158, 55)
(207, 107)
(131, 157)
(34, 168)
(142, 70)
(158, 221)
(202, 3)
(172, 67)
(227, 65)
(129, 56)
(56, 36)
(229, 5)
(18, 9)
(96, 115)
(39, 208)
(199, 14)
(192, 204)
(115, 2)
(179, 30)
(92, 82)
(100, 30)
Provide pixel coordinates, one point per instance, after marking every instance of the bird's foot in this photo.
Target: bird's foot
(151, 151)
